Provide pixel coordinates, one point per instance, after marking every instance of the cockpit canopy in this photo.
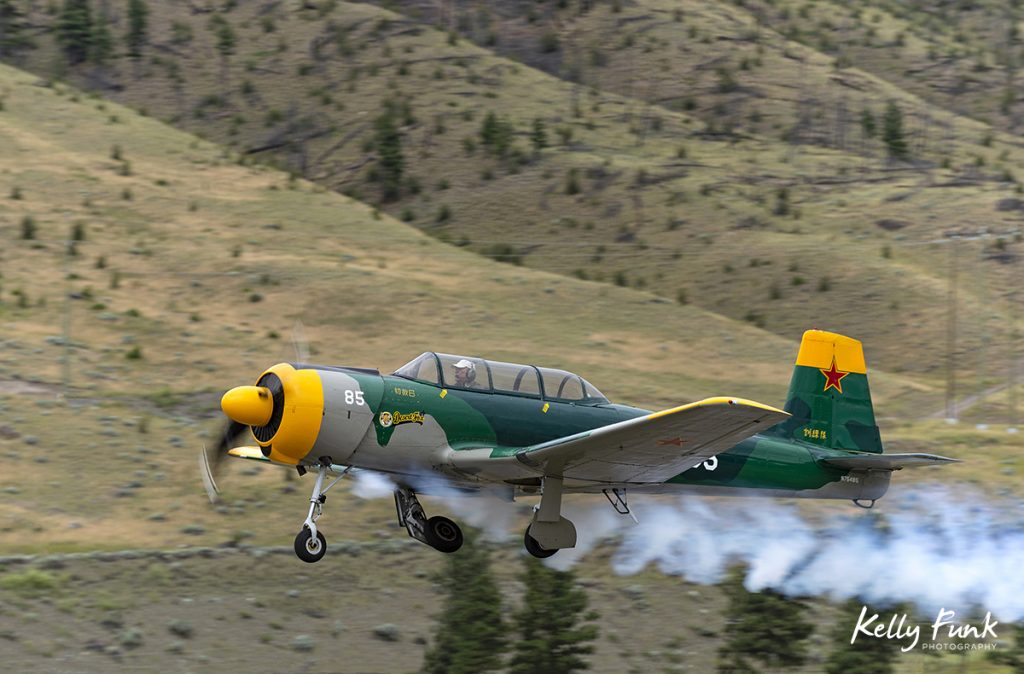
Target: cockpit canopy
(477, 374)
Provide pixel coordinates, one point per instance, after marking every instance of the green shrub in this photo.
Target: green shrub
(572, 182)
(549, 42)
(32, 582)
(28, 228)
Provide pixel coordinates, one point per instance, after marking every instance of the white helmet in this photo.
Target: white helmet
(469, 366)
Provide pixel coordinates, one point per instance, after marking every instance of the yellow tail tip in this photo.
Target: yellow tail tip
(818, 349)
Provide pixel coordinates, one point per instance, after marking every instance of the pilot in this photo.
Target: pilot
(465, 374)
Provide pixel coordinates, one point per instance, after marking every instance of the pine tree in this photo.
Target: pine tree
(867, 655)
(101, 46)
(137, 36)
(12, 23)
(763, 626)
(539, 135)
(471, 635)
(867, 123)
(552, 640)
(489, 129)
(226, 42)
(892, 132)
(391, 162)
(74, 30)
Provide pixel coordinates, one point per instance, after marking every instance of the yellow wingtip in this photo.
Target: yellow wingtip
(718, 400)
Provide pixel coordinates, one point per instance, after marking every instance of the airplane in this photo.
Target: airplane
(489, 426)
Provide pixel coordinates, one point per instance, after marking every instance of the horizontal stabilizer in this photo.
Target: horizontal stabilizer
(887, 461)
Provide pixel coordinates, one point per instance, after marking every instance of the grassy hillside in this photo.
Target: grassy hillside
(807, 69)
(718, 203)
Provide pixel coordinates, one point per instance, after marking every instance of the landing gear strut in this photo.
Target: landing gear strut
(549, 532)
(438, 532)
(310, 544)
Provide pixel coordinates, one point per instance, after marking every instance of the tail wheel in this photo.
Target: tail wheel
(534, 548)
(310, 549)
(443, 534)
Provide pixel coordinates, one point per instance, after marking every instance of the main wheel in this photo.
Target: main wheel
(310, 549)
(443, 534)
(534, 548)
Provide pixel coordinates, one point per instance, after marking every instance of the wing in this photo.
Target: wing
(654, 447)
(886, 461)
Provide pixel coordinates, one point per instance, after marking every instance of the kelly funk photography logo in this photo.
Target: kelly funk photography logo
(946, 633)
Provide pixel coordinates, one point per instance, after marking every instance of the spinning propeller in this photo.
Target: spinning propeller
(247, 407)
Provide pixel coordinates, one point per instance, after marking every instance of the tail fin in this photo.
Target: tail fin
(829, 396)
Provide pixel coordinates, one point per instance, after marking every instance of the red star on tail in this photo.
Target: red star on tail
(833, 377)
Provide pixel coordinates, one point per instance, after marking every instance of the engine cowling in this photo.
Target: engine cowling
(284, 411)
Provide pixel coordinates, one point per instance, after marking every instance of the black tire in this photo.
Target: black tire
(534, 548)
(443, 534)
(309, 550)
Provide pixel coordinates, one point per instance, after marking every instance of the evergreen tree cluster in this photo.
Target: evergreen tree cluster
(391, 163)
(85, 35)
(75, 30)
(137, 37)
(552, 631)
(545, 635)
(496, 134)
(764, 627)
(12, 27)
(892, 132)
(551, 639)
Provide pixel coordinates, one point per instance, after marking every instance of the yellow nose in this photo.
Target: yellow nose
(249, 405)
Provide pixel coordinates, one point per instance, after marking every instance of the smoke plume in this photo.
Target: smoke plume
(930, 546)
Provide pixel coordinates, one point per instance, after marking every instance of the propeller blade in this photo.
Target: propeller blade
(299, 342)
(204, 472)
(211, 462)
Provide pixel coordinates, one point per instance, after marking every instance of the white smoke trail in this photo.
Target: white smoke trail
(371, 485)
(494, 517)
(931, 548)
(485, 511)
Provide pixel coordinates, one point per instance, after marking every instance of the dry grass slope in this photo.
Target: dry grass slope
(721, 204)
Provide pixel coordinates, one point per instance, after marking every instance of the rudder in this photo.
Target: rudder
(829, 396)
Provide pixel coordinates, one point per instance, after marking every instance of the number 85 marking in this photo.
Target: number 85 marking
(354, 397)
